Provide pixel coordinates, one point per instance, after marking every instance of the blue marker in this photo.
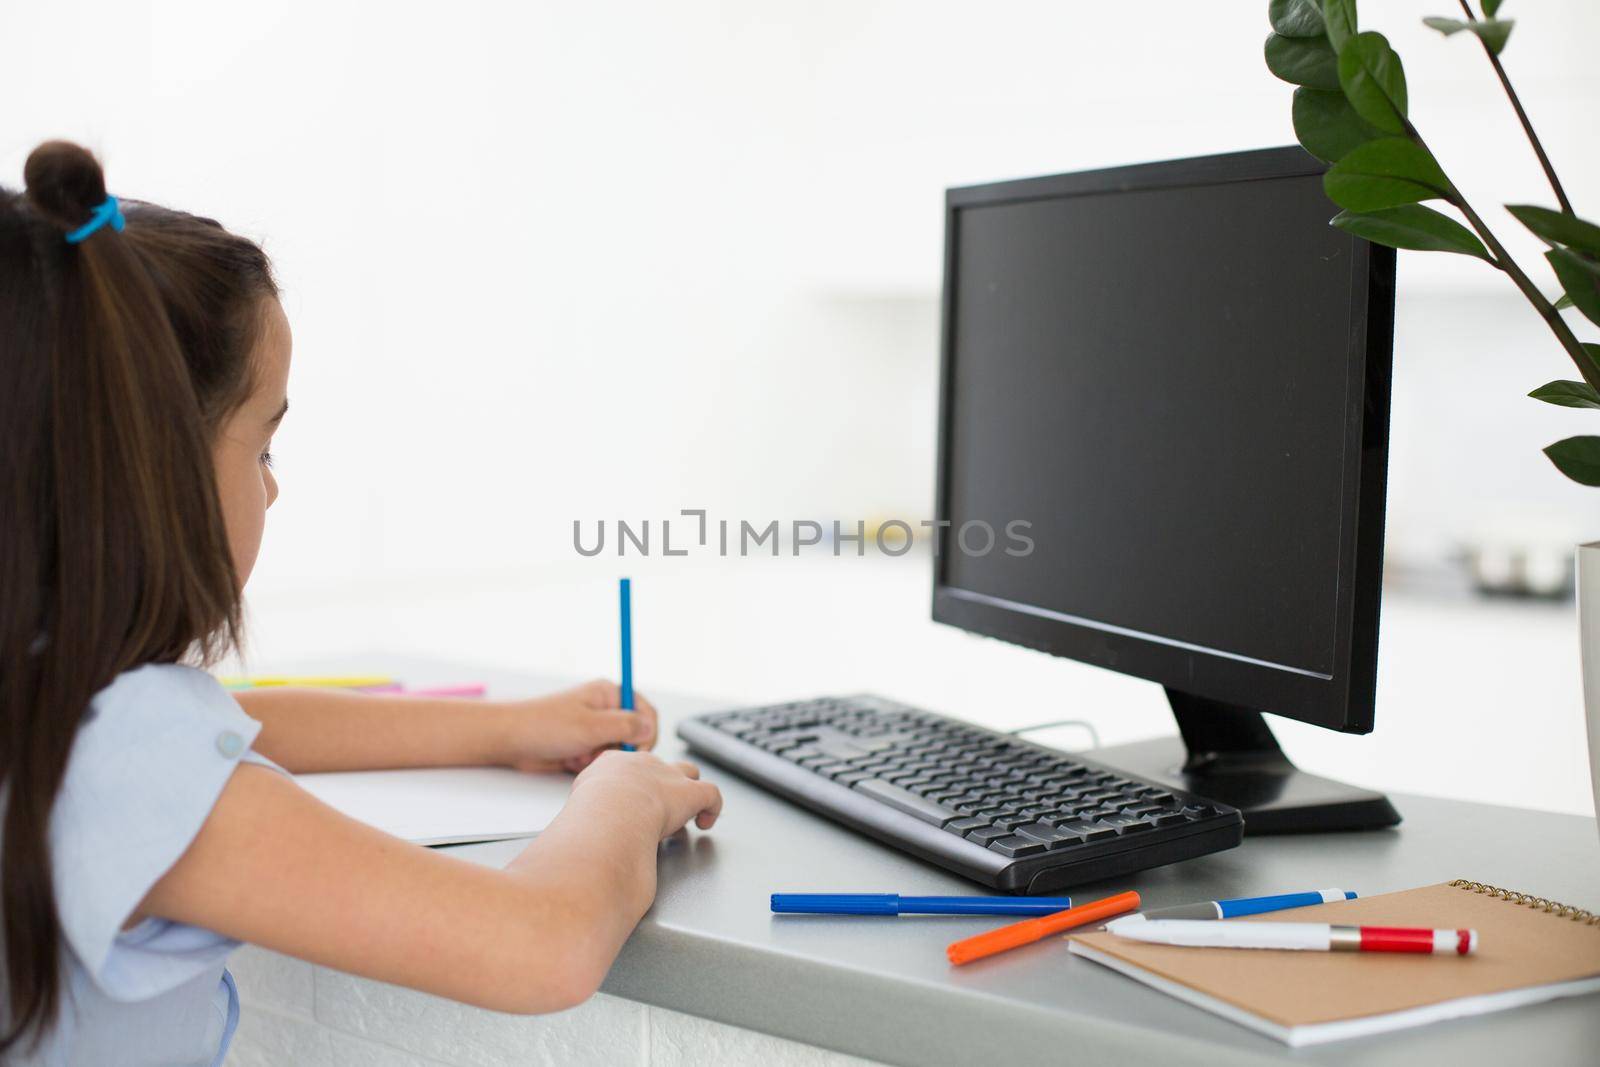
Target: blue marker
(895, 904)
(1230, 909)
(625, 604)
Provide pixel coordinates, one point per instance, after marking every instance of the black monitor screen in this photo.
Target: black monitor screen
(1157, 381)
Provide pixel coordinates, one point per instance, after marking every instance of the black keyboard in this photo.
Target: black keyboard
(999, 810)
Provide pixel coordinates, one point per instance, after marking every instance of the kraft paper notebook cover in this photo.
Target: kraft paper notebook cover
(1529, 950)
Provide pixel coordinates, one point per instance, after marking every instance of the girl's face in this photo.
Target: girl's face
(242, 451)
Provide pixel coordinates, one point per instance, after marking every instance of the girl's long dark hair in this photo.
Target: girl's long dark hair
(119, 358)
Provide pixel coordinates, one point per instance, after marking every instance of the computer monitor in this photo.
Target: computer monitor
(1165, 395)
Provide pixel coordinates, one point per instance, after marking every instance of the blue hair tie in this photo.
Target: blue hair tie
(107, 212)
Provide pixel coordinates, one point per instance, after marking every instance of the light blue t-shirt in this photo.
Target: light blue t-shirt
(148, 764)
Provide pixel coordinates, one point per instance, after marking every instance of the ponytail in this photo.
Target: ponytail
(120, 352)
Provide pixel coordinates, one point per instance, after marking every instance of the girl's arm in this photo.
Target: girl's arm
(274, 867)
(308, 730)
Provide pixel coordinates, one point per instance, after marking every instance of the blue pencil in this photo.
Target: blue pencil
(895, 904)
(625, 604)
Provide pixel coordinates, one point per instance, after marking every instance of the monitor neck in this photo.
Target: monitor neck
(1228, 754)
(1223, 738)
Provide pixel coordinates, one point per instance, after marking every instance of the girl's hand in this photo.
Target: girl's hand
(567, 730)
(638, 782)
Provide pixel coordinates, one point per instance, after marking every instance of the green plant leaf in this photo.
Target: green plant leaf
(1327, 126)
(1412, 226)
(1592, 350)
(1578, 458)
(1339, 16)
(1490, 7)
(1383, 174)
(1493, 32)
(1580, 277)
(1296, 18)
(1568, 394)
(1556, 227)
(1303, 61)
(1563, 302)
(1375, 81)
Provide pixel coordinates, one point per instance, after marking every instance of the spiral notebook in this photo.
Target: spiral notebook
(1530, 950)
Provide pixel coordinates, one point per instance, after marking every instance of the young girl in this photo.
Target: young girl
(149, 826)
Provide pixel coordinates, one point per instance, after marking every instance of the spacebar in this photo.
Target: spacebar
(906, 801)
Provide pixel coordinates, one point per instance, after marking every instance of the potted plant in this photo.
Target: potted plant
(1350, 109)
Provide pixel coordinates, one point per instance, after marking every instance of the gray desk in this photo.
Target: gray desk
(881, 988)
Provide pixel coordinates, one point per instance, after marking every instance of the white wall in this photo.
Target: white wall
(553, 261)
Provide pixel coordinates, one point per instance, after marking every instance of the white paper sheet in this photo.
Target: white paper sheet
(445, 805)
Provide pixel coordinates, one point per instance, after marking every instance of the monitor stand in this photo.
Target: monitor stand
(1228, 753)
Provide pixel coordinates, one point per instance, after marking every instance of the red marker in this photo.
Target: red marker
(1305, 937)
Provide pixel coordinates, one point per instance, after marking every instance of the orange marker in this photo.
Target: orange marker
(1028, 931)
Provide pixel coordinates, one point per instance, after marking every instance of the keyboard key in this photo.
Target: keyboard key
(1172, 819)
(905, 801)
(1017, 846)
(1090, 831)
(965, 826)
(1140, 810)
(840, 749)
(1040, 830)
(984, 834)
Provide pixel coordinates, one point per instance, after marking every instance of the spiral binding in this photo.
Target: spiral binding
(1551, 907)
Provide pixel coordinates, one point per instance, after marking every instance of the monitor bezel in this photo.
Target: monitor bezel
(1341, 700)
